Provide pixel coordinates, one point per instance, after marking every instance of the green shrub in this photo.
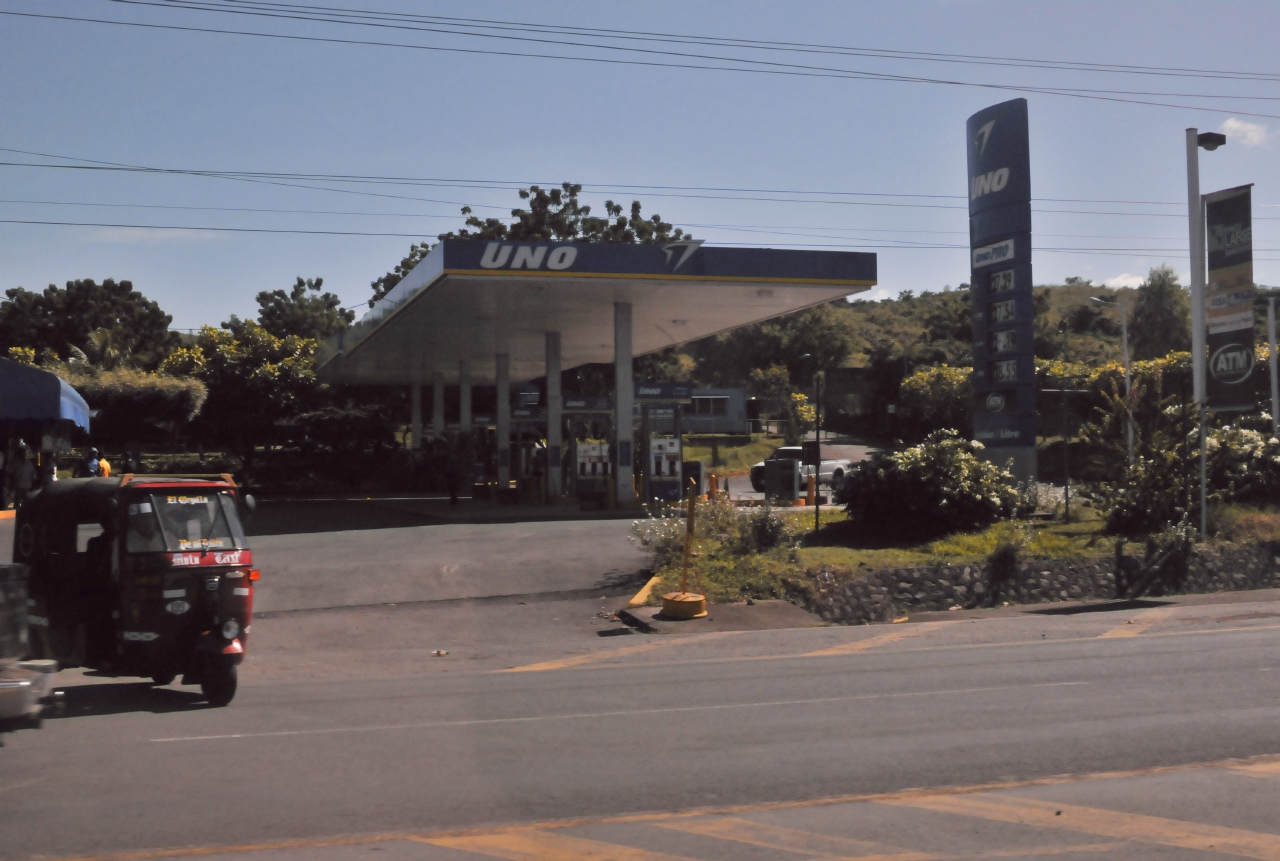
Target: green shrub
(939, 396)
(931, 489)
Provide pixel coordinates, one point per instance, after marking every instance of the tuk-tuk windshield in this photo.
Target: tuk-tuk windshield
(180, 521)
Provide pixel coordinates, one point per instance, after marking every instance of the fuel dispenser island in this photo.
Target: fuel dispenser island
(666, 473)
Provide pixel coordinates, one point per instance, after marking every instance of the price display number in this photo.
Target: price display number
(1002, 312)
(1004, 372)
(1001, 281)
(1004, 342)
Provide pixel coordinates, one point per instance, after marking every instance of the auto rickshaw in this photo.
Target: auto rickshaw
(140, 575)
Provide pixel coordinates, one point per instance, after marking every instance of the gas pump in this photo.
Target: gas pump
(667, 476)
(592, 476)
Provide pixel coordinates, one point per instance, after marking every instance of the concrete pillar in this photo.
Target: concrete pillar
(437, 406)
(464, 396)
(503, 381)
(624, 398)
(554, 406)
(415, 416)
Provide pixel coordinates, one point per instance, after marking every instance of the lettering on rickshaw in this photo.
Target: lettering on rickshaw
(199, 543)
(186, 559)
(232, 558)
(188, 500)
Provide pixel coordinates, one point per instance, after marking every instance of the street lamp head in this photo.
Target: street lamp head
(1211, 140)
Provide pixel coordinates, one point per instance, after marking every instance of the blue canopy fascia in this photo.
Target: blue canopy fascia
(32, 395)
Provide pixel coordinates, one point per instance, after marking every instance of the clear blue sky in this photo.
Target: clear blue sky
(202, 101)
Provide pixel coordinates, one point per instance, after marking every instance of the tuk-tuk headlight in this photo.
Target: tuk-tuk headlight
(230, 629)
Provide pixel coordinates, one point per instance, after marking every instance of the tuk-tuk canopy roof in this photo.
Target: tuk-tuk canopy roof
(32, 395)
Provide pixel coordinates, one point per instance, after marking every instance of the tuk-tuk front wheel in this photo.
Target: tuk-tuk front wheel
(218, 682)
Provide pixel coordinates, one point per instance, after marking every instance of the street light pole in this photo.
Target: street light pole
(1128, 381)
(1195, 227)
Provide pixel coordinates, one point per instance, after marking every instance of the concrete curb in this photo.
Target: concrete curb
(631, 620)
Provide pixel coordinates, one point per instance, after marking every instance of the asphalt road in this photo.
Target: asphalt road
(604, 747)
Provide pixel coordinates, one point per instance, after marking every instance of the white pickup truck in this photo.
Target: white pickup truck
(830, 473)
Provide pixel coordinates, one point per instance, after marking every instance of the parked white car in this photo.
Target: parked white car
(830, 473)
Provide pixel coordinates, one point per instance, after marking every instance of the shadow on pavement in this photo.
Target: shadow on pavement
(113, 699)
(1106, 607)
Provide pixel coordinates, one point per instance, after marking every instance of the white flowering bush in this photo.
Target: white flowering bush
(1244, 465)
(719, 529)
(934, 488)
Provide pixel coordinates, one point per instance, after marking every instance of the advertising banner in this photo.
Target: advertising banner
(1229, 297)
(1004, 407)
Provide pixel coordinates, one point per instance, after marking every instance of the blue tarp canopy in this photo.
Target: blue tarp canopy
(29, 394)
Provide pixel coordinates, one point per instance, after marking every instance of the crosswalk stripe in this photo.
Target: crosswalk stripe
(1138, 624)
(900, 632)
(791, 840)
(538, 845)
(1108, 823)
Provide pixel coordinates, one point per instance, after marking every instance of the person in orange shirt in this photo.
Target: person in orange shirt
(104, 468)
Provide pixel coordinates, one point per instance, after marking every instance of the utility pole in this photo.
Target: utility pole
(1066, 429)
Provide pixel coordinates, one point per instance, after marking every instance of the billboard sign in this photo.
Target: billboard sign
(1004, 407)
(1229, 309)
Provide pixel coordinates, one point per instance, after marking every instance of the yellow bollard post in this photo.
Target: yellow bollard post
(685, 604)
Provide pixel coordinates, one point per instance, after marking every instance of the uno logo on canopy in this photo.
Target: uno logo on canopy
(498, 255)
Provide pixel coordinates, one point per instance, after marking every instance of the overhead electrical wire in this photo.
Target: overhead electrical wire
(754, 66)
(273, 230)
(329, 15)
(880, 53)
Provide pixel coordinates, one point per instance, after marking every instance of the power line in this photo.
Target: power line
(315, 232)
(258, 177)
(881, 53)
(782, 69)
(330, 15)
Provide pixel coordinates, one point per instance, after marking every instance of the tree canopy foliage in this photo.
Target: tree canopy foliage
(110, 322)
(555, 214)
(304, 311)
(1161, 321)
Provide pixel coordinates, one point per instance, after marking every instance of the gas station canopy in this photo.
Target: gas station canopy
(469, 301)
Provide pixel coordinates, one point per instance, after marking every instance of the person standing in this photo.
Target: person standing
(104, 467)
(89, 466)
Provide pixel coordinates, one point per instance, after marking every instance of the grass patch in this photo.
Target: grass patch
(1244, 524)
(737, 454)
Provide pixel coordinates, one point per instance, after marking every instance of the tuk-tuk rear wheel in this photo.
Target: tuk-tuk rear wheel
(218, 684)
(163, 678)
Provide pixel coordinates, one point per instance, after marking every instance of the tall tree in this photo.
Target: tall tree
(130, 328)
(1161, 321)
(551, 214)
(304, 311)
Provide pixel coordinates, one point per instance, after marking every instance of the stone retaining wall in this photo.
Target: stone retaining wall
(857, 597)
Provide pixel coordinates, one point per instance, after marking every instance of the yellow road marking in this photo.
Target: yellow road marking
(565, 663)
(1139, 624)
(605, 655)
(1264, 770)
(790, 839)
(639, 599)
(890, 636)
(1107, 823)
(906, 797)
(536, 845)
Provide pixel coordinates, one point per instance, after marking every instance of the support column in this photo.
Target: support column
(464, 397)
(554, 407)
(415, 416)
(503, 382)
(437, 406)
(624, 397)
